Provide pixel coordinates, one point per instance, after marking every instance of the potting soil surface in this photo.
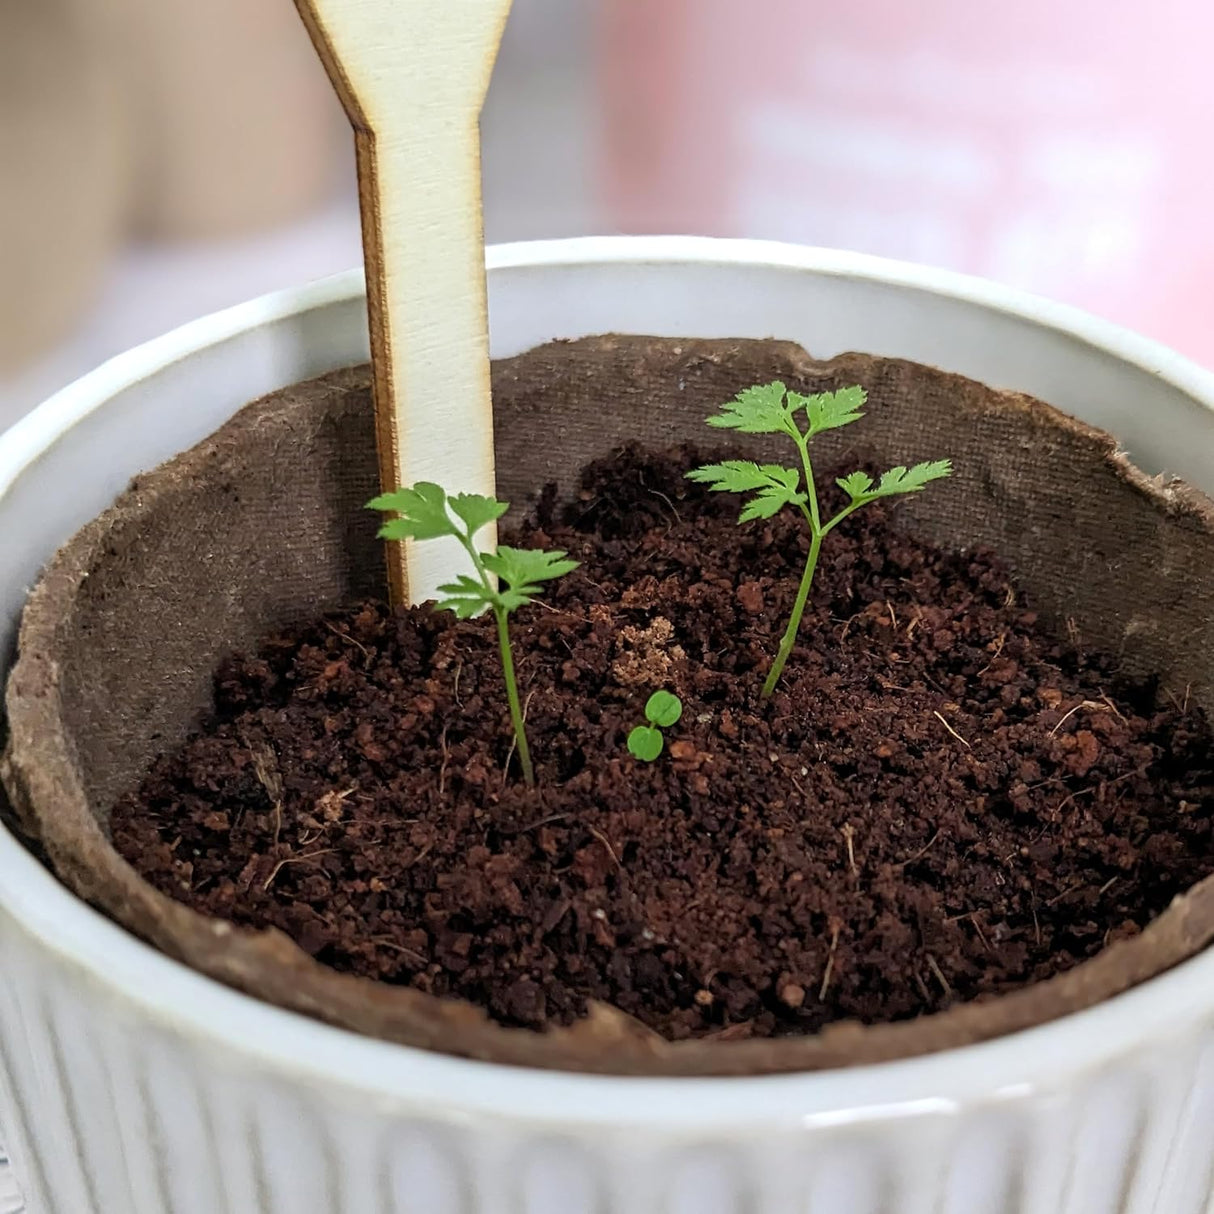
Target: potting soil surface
(943, 800)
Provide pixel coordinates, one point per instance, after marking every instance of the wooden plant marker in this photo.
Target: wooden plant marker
(412, 75)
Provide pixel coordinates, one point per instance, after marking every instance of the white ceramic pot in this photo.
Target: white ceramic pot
(130, 1085)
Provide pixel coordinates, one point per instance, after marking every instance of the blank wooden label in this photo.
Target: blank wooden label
(413, 75)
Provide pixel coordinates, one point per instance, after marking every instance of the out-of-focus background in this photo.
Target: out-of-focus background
(163, 158)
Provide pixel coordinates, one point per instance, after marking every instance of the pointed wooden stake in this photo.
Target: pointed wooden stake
(412, 75)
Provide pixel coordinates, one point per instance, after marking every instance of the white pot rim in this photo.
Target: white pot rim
(167, 992)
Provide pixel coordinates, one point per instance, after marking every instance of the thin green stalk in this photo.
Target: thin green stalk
(465, 538)
(516, 710)
(811, 488)
(798, 610)
(503, 645)
(816, 532)
(834, 522)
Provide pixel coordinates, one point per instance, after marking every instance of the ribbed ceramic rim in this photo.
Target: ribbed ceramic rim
(437, 1085)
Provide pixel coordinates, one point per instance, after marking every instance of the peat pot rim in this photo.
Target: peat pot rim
(165, 994)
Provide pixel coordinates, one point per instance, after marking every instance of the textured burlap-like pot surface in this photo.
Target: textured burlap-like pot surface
(263, 524)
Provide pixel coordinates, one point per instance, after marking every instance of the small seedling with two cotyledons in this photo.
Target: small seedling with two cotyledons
(662, 710)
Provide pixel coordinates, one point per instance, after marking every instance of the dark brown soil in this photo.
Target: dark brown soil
(942, 801)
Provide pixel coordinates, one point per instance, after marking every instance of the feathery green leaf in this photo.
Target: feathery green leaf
(777, 486)
(855, 484)
(396, 529)
(767, 503)
(523, 570)
(477, 511)
(860, 488)
(830, 410)
(743, 475)
(421, 510)
(911, 480)
(466, 596)
(758, 410)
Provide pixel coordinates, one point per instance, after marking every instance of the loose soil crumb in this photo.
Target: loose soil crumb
(941, 802)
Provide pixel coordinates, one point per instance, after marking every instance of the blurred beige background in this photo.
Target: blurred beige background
(160, 159)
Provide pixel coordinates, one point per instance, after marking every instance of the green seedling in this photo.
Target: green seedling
(662, 710)
(504, 580)
(772, 409)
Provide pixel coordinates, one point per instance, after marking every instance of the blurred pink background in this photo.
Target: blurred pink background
(1057, 145)
(159, 158)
